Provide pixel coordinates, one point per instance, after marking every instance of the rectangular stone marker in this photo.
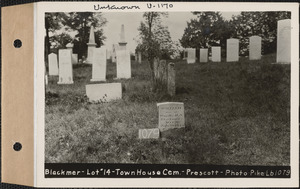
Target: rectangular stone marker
(99, 65)
(149, 133)
(104, 92)
(74, 58)
(171, 115)
(65, 67)
(140, 57)
(283, 54)
(216, 54)
(203, 55)
(191, 56)
(53, 67)
(255, 48)
(171, 79)
(232, 50)
(123, 64)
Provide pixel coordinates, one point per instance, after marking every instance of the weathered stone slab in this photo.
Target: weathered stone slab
(99, 65)
(216, 54)
(171, 79)
(149, 133)
(255, 48)
(53, 67)
(91, 46)
(171, 115)
(139, 57)
(65, 67)
(74, 58)
(203, 55)
(232, 50)
(191, 55)
(104, 92)
(123, 64)
(283, 54)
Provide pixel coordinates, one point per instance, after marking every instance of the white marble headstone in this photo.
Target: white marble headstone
(232, 54)
(203, 55)
(284, 41)
(99, 65)
(255, 48)
(191, 55)
(123, 64)
(104, 92)
(53, 67)
(74, 58)
(65, 67)
(216, 54)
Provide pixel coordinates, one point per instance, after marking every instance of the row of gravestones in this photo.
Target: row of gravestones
(283, 54)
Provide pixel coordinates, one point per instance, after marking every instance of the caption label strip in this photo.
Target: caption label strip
(58, 170)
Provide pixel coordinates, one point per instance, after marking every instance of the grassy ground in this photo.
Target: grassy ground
(235, 113)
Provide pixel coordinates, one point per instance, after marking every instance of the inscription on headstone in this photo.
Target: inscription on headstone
(216, 54)
(191, 56)
(99, 65)
(53, 67)
(283, 54)
(232, 54)
(123, 64)
(203, 55)
(171, 115)
(104, 92)
(65, 67)
(255, 48)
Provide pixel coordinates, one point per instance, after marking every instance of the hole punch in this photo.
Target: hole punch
(18, 43)
(17, 146)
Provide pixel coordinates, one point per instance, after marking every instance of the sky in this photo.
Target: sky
(176, 22)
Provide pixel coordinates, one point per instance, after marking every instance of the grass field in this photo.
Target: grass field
(235, 114)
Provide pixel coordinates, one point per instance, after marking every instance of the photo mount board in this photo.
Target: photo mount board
(10, 170)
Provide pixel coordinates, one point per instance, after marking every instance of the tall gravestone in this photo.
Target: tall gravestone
(65, 67)
(203, 55)
(91, 46)
(283, 54)
(171, 79)
(74, 56)
(232, 50)
(53, 67)
(216, 54)
(255, 48)
(104, 92)
(122, 43)
(99, 65)
(171, 115)
(191, 55)
(123, 64)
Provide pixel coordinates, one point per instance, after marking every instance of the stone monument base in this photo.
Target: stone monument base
(70, 82)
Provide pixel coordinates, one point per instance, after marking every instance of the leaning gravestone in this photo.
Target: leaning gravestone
(104, 92)
(232, 54)
(255, 48)
(99, 65)
(171, 79)
(216, 54)
(283, 41)
(171, 115)
(203, 55)
(123, 64)
(53, 67)
(191, 56)
(65, 67)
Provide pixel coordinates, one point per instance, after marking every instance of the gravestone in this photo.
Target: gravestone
(65, 67)
(232, 50)
(255, 48)
(283, 54)
(53, 67)
(139, 57)
(203, 55)
(114, 53)
(216, 54)
(191, 56)
(123, 64)
(122, 43)
(149, 133)
(171, 79)
(99, 65)
(171, 115)
(104, 92)
(91, 46)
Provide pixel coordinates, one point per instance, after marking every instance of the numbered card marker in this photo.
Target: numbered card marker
(148, 133)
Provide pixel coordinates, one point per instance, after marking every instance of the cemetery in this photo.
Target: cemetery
(208, 105)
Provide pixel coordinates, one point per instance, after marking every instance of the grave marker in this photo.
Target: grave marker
(191, 56)
(65, 67)
(283, 54)
(91, 46)
(203, 55)
(123, 64)
(104, 92)
(255, 48)
(53, 67)
(232, 54)
(99, 65)
(216, 54)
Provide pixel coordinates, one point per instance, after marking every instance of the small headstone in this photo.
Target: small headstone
(123, 64)
(284, 41)
(232, 50)
(171, 79)
(53, 67)
(191, 55)
(216, 54)
(149, 133)
(65, 67)
(104, 92)
(91, 46)
(203, 55)
(46, 79)
(139, 57)
(171, 115)
(99, 65)
(255, 48)
(74, 58)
